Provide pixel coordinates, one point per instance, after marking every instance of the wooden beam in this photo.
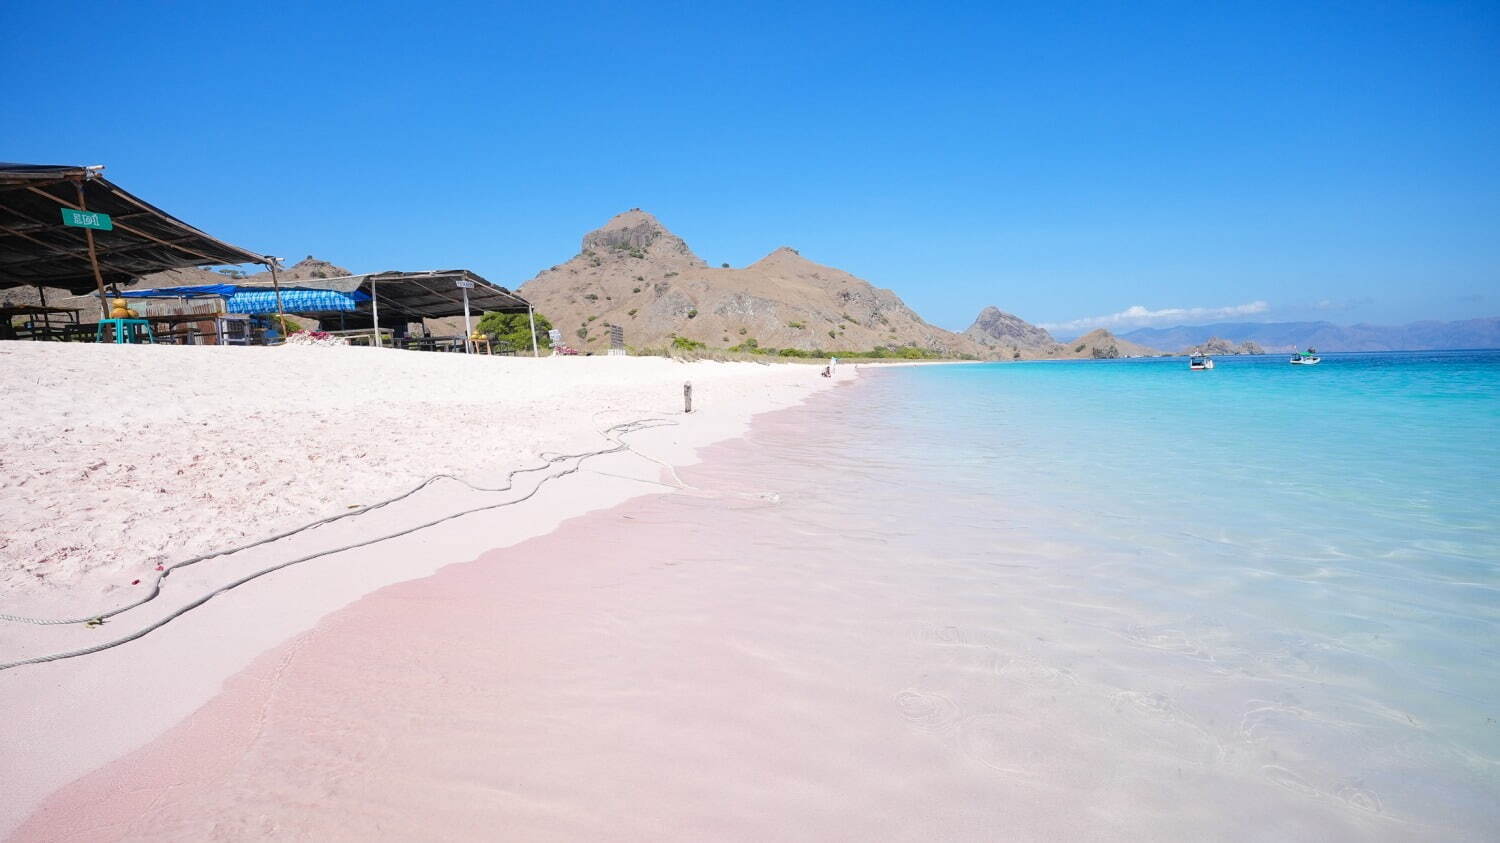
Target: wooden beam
(58, 249)
(94, 261)
(136, 232)
(157, 212)
(34, 225)
(103, 250)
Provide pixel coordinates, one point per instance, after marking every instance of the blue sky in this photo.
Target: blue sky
(1063, 161)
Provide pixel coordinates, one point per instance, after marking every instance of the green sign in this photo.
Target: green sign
(87, 219)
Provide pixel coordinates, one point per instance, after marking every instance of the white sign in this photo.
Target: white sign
(555, 335)
(464, 284)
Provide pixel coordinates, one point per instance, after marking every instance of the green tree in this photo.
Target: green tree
(515, 329)
(288, 325)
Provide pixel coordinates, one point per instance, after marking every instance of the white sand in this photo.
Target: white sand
(171, 452)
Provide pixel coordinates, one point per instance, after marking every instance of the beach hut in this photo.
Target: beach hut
(222, 312)
(69, 228)
(388, 300)
(391, 300)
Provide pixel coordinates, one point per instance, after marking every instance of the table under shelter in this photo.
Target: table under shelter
(200, 315)
(43, 322)
(376, 309)
(388, 302)
(69, 228)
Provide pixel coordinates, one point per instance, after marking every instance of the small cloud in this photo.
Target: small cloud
(1340, 305)
(1140, 317)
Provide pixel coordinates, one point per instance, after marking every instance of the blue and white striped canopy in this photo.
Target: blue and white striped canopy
(294, 301)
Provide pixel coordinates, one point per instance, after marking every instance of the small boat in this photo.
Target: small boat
(1311, 358)
(1200, 362)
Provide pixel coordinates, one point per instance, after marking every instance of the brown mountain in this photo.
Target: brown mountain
(1010, 337)
(1007, 334)
(635, 273)
(1102, 345)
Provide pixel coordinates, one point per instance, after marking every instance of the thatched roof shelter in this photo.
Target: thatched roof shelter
(37, 249)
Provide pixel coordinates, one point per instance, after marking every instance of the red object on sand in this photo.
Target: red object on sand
(135, 582)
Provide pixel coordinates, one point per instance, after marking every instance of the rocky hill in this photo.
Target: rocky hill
(1007, 333)
(1102, 345)
(635, 273)
(1223, 347)
(1010, 337)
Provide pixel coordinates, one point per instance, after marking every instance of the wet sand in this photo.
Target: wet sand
(188, 451)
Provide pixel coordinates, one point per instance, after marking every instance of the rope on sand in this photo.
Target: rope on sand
(613, 434)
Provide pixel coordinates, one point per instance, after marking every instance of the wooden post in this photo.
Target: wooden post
(687, 397)
(469, 347)
(531, 315)
(88, 233)
(375, 312)
(280, 314)
(41, 294)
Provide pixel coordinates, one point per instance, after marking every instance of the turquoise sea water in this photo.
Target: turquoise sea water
(1261, 576)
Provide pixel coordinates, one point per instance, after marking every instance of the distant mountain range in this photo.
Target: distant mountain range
(1326, 336)
(1009, 337)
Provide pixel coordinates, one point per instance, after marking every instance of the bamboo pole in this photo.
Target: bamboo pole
(88, 234)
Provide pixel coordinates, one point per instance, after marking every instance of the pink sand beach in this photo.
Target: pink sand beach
(742, 658)
(180, 451)
(628, 676)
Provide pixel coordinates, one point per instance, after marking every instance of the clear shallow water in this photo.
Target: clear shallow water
(1270, 582)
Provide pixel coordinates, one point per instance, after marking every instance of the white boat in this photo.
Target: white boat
(1311, 358)
(1200, 362)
